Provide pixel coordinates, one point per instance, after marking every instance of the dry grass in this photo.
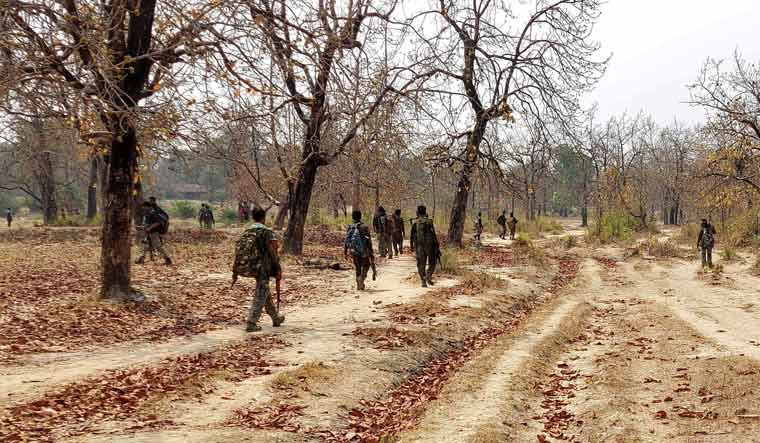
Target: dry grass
(305, 376)
(688, 234)
(490, 434)
(662, 248)
(451, 262)
(525, 250)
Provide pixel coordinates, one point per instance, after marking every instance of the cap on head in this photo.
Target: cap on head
(397, 212)
(356, 215)
(421, 210)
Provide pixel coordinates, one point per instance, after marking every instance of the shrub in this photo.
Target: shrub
(662, 248)
(183, 209)
(613, 226)
(229, 216)
(524, 250)
(450, 261)
(688, 233)
(570, 242)
(541, 225)
(741, 230)
(728, 253)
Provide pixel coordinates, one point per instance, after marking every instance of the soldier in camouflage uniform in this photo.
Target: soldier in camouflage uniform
(152, 226)
(706, 242)
(502, 222)
(424, 243)
(397, 232)
(262, 298)
(479, 227)
(380, 225)
(359, 243)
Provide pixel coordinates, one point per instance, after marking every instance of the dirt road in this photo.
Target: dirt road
(559, 345)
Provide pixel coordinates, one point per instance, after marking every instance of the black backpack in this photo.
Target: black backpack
(163, 220)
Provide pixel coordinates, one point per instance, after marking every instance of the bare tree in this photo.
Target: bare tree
(505, 59)
(110, 56)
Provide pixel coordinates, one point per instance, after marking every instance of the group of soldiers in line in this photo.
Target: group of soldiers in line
(502, 221)
(390, 232)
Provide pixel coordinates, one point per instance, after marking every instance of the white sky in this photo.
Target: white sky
(658, 47)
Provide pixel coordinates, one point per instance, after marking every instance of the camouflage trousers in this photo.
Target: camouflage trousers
(707, 256)
(262, 299)
(153, 243)
(384, 245)
(362, 266)
(426, 261)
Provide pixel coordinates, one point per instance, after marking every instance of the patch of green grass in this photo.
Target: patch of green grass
(613, 227)
(183, 209)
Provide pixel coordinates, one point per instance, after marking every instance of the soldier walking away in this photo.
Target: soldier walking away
(389, 236)
(479, 227)
(512, 224)
(706, 242)
(358, 243)
(397, 232)
(210, 217)
(380, 225)
(155, 225)
(9, 217)
(256, 256)
(502, 221)
(424, 243)
(202, 216)
(206, 217)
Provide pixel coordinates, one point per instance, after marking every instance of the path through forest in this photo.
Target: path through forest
(633, 349)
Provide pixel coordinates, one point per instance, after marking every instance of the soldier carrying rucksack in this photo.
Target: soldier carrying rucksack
(256, 257)
(358, 243)
(424, 243)
(155, 225)
(706, 242)
(502, 221)
(382, 229)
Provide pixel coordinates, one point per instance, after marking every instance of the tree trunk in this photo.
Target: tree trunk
(92, 189)
(299, 206)
(584, 216)
(459, 207)
(137, 199)
(46, 181)
(103, 166)
(117, 221)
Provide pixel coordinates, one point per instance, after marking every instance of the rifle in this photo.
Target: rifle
(374, 269)
(277, 288)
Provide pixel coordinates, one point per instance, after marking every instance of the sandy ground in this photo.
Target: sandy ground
(636, 350)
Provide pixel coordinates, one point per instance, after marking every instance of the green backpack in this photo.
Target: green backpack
(426, 233)
(251, 259)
